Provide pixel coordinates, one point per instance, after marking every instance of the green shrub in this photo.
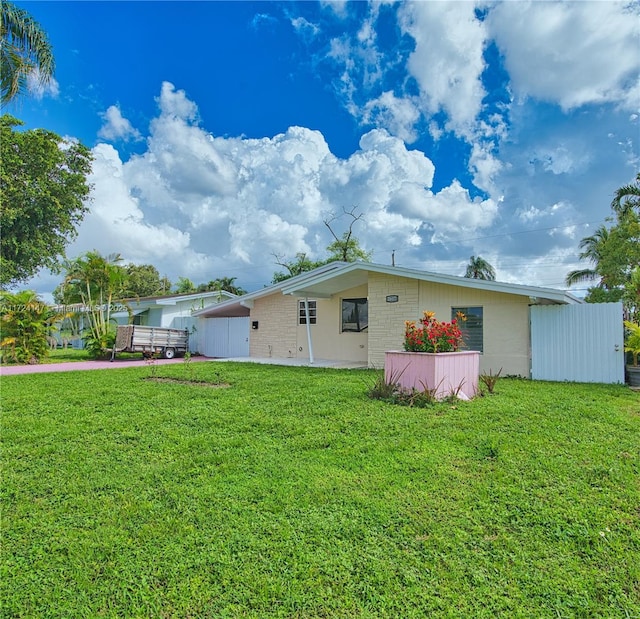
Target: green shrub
(25, 321)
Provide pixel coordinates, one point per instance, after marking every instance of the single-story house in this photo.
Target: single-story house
(169, 310)
(174, 311)
(356, 311)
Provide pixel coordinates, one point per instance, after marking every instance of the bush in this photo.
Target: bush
(25, 321)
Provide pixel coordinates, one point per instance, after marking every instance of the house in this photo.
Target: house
(174, 311)
(169, 310)
(356, 311)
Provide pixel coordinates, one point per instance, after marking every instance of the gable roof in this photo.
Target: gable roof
(240, 306)
(356, 273)
(334, 277)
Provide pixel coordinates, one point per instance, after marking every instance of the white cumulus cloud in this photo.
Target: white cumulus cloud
(116, 127)
(570, 53)
(201, 206)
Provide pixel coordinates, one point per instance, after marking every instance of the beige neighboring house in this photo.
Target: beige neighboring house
(354, 312)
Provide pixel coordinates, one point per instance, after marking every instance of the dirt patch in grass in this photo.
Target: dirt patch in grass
(186, 381)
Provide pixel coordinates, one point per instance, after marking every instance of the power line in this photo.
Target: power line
(503, 234)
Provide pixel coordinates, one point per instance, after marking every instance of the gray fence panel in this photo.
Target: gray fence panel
(581, 343)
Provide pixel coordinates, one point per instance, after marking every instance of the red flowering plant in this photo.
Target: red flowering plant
(431, 335)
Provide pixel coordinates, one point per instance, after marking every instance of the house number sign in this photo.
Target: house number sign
(392, 298)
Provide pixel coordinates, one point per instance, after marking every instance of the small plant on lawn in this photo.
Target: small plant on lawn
(151, 361)
(383, 389)
(454, 393)
(390, 391)
(489, 380)
(432, 335)
(416, 398)
(189, 369)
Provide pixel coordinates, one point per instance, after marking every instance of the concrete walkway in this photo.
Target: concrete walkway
(74, 366)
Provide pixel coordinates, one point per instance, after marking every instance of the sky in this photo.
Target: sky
(225, 134)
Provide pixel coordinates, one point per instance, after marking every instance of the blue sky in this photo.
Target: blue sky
(226, 133)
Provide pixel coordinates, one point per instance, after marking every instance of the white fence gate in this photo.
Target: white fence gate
(189, 323)
(225, 337)
(582, 343)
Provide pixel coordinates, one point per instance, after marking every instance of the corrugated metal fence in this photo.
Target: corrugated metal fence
(582, 343)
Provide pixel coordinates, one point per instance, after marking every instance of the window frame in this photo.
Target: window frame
(357, 301)
(313, 312)
(476, 314)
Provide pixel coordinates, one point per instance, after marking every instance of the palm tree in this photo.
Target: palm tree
(479, 268)
(627, 198)
(226, 283)
(593, 250)
(24, 51)
(96, 281)
(185, 286)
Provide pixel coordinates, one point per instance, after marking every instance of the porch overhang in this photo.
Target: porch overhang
(230, 309)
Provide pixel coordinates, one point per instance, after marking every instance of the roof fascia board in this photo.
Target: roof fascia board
(198, 295)
(453, 280)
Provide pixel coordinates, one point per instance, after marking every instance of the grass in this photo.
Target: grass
(292, 494)
(64, 355)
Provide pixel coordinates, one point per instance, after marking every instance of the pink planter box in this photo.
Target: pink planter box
(444, 371)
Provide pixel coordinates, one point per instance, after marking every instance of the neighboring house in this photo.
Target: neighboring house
(356, 311)
(173, 311)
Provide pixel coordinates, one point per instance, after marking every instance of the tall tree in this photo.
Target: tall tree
(346, 247)
(631, 296)
(143, 280)
(479, 268)
(227, 284)
(301, 264)
(43, 193)
(613, 251)
(627, 198)
(25, 52)
(594, 248)
(96, 282)
(185, 286)
(219, 284)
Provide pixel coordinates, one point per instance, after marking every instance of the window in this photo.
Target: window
(472, 327)
(355, 315)
(303, 314)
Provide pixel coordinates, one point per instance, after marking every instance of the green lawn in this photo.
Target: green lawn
(64, 355)
(289, 493)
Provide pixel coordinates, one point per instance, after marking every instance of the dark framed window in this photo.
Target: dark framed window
(472, 328)
(355, 315)
(312, 313)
